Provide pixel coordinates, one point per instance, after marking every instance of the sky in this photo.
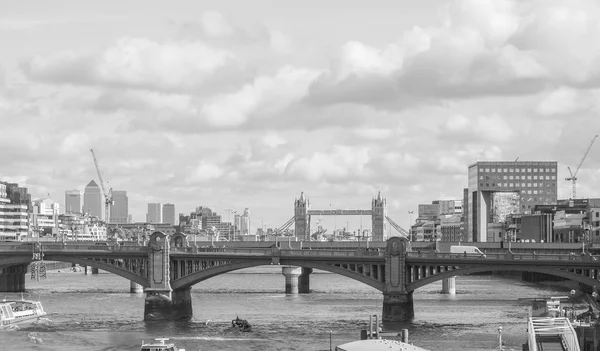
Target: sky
(234, 105)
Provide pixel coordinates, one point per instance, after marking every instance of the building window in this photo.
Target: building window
(528, 177)
(510, 177)
(553, 177)
(553, 170)
(487, 185)
(547, 170)
(511, 170)
(493, 184)
(512, 185)
(480, 184)
(535, 192)
(505, 177)
(487, 170)
(505, 170)
(529, 185)
(522, 170)
(534, 177)
(547, 177)
(493, 170)
(597, 214)
(535, 170)
(480, 177)
(517, 170)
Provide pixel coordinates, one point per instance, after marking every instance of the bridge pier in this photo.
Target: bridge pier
(94, 270)
(173, 305)
(291, 279)
(449, 286)
(398, 307)
(12, 279)
(135, 288)
(304, 280)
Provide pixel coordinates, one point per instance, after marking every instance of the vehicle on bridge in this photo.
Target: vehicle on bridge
(160, 344)
(466, 250)
(20, 311)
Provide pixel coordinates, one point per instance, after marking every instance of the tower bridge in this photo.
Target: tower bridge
(378, 212)
(168, 267)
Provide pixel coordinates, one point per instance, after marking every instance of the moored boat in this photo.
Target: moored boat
(160, 344)
(20, 311)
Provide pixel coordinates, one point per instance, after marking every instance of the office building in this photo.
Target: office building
(93, 200)
(73, 201)
(44, 218)
(245, 222)
(119, 210)
(168, 212)
(498, 189)
(154, 214)
(14, 216)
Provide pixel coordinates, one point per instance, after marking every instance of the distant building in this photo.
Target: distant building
(154, 214)
(73, 201)
(14, 216)
(93, 200)
(497, 188)
(168, 212)
(245, 222)
(44, 219)
(119, 211)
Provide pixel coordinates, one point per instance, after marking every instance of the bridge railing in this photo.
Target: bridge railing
(29, 247)
(283, 252)
(504, 256)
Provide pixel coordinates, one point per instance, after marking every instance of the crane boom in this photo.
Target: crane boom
(573, 177)
(107, 195)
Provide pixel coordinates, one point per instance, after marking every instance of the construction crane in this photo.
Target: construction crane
(108, 201)
(573, 176)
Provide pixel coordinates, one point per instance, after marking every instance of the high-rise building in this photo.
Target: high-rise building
(73, 201)
(14, 216)
(119, 210)
(245, 227)
(154, 214)
(518, 186)
(168, 212)
(93, 200)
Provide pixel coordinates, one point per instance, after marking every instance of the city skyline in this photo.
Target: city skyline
(246, 106)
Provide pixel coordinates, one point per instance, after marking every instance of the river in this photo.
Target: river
(97, 312)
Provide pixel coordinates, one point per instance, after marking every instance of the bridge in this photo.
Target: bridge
(168, 267)
(378, 212)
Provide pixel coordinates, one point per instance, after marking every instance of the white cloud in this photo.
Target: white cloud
(204, 172)
(135, 62)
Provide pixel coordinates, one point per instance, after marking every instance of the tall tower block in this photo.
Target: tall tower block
(301, 218)
(378, 218)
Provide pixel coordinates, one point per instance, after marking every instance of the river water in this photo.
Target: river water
(97, 312)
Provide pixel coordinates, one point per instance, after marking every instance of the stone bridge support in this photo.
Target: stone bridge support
(297, 279)
(397, 302)
(162, 302)
(449, 286)
(135, 288)
(12, 279)
(304, 280)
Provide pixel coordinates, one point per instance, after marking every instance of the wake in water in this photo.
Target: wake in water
(33, 337)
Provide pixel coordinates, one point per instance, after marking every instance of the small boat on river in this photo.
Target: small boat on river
(20, 311)
(159, 344)
(241, 325)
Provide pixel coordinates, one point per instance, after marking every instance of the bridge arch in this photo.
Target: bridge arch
(198, 277)
(480, 269)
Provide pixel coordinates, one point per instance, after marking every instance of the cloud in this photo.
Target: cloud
(136, 63)
(481, 48)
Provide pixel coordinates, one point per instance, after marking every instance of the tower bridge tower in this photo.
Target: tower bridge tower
(301, 218)
(378, 218)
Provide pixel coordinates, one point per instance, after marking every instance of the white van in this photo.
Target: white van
(469, 250)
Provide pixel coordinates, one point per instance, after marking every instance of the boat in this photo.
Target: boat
(20, 311)
(159, 344)
(241, 324)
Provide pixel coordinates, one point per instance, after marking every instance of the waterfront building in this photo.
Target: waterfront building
(74, 201)
(497, 189)
(168, 212)
(93, 200)
(119, 210)
(44, 218)
(14, 216)
(154, 214)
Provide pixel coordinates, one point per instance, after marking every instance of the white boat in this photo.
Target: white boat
(20, 311)
(160, 344)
